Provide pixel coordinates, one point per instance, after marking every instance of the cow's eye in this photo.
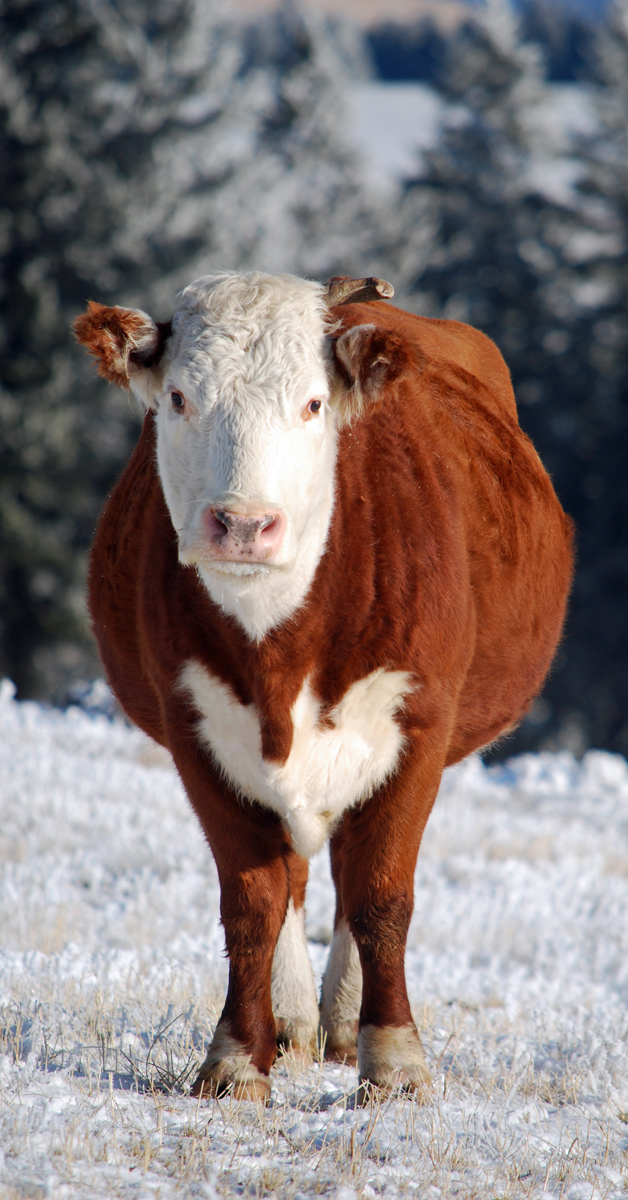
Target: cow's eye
(314, 406)
(177, 401)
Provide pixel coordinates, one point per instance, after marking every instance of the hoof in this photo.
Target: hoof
(302, 1054)
(229, 1071)
(296, 1039)
(208, 1086)
(375, 1093)
(392, 1061)
(347, 1054)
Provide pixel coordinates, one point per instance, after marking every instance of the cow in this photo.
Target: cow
(333, 566)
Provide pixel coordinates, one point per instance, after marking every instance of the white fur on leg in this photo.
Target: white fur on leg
(341, 995)
(292, 988)
(228, 1068)
(392, 1056)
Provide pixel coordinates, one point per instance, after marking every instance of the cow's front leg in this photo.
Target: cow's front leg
(295, 1006)
(375, 849)
(243, 1049)
(252, 854)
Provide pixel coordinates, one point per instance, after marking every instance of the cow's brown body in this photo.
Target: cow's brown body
(448, 557)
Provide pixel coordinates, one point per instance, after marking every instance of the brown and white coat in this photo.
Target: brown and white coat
(333, 566)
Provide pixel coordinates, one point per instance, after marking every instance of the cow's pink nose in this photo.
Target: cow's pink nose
(244, 536)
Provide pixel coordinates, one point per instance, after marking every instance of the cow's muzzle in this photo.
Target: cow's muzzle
(241, 535)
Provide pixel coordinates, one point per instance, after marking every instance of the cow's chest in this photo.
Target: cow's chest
(331, 765)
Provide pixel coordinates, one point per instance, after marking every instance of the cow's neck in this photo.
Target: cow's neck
(261, 602)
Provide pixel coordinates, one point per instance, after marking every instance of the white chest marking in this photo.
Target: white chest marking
(329, 767)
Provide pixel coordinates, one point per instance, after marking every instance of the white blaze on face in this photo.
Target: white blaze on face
(247, 442)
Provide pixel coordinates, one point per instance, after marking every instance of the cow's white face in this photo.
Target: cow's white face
(247, 441)
(246, 426)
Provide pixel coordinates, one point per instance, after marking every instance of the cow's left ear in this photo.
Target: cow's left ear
(366, 360)
(126, 341)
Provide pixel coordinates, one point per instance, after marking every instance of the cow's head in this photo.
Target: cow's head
(248, 383)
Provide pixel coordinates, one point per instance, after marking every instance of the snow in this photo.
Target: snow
(390, 124)
(393, 124)
(563, 117)
(112, 975)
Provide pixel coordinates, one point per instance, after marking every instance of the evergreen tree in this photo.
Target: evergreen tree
(144, 143)
(521, 254)
(565, 35)
(600, 260)
(315, 218)
(94, 98)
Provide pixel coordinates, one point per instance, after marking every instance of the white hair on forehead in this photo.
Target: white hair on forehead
(263, 333)
(244, 306)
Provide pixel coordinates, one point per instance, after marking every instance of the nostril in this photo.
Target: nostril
(215, 526)
(241, 534)
(270, 528)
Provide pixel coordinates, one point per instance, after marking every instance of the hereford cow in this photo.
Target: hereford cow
(333, 566)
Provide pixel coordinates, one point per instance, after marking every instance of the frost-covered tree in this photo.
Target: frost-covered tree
(477, 176)
(314, 216)
(521, 251)
(598, 257)
(120, 121)
(143, 143)
(500, 207)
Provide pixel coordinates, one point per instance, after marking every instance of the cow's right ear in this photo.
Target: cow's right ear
(127, 343)
(366, 360)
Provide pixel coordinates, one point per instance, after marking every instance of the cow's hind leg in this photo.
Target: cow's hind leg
(295, 1006)
(341, 993)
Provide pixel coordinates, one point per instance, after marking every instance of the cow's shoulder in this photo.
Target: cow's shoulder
(129, 503)
(443, 344)
(120, 547)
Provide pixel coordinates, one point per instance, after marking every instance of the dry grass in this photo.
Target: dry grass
(93, 1102)
(112, 976)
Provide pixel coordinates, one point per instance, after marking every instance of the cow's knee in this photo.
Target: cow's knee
(252, 912)
(379, 923)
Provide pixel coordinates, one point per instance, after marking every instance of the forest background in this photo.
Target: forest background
(145, 142)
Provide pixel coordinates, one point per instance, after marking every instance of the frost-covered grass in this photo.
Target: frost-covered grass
(112, 975)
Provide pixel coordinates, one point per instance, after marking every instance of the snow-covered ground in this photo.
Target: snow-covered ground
(112, 975)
